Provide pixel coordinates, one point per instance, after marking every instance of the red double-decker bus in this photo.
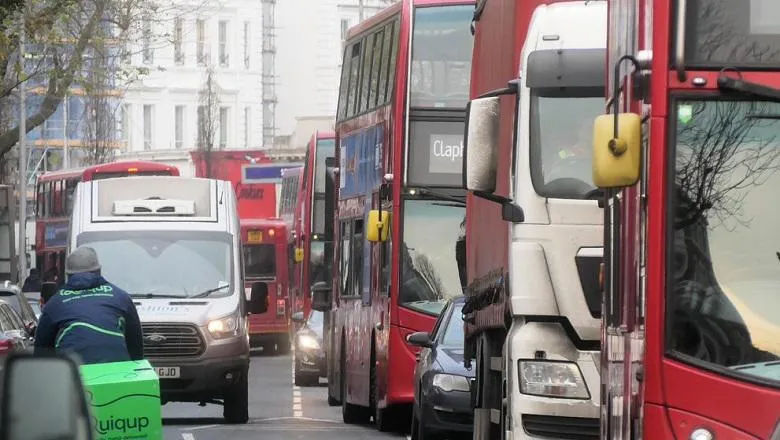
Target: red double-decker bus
(310, 216)
(265, 246)
(54, 192)
(289, 211)
(688, 157)
(400, 203)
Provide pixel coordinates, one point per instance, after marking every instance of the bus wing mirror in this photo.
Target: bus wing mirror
(298, 255)
(321, 296)
(258, 302)
(378, 227)
(616, 160)
(480, 162)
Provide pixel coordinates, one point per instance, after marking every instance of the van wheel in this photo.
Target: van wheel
(236, 405)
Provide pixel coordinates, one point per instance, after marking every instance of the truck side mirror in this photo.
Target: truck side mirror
(480, 163)
(321, 296)
(258, 302)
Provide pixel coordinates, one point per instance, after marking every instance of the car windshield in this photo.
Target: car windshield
(429, 269)
(561, 137)
(165, 263)
(259, 261)
(19, 305)
(453, 334)
(724, 309)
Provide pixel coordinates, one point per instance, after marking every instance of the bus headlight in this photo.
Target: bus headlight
(224, 327)
(552, 379)
(308, 342)
(451, 382)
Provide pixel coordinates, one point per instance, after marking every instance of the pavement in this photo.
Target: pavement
(278, 410)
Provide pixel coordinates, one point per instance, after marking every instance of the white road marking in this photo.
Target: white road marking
(197, 428)
(187, 436)
(297, 399)
(298, 414)
(297, 407)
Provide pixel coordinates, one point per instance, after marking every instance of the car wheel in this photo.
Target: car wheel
(236, 403)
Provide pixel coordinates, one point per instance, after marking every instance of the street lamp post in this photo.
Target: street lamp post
(22, 152)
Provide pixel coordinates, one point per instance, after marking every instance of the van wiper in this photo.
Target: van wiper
(210, 291)
(152, 295)
(429, 192)
(726, 83)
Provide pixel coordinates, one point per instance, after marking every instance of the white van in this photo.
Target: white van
(173, 243)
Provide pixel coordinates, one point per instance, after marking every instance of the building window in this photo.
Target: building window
(147, 42)
(178, 36)
(223, 127)
(200, 36)
(246, 44)
(344, 28)
(147, 127)
(126, 124)
(247, 126)
(179, 123)
(202, 127)
(223, 50)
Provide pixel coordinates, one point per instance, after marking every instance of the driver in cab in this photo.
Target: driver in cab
(572, 158)
(90, 317)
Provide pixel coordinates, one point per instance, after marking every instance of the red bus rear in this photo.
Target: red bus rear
(54, 193)
(400, 203)
(264, 243)
(310, 238)
(289, 211)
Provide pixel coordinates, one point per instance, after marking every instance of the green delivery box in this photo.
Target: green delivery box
(124, 398)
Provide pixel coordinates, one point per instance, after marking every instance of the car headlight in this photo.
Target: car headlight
(308, 342)
(552, 379)
(224, 327)
(451, 382)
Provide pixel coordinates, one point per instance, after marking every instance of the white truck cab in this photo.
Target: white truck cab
(552, 348)
(173, 244)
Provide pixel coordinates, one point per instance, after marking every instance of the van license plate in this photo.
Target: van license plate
(168, 372)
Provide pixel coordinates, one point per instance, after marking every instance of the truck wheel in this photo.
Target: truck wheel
(236, 404)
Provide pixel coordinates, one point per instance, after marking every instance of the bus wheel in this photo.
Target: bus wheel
(351, 414)
(382, 419)
(283, 344)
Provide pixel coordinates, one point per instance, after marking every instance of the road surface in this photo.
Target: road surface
(277, 411)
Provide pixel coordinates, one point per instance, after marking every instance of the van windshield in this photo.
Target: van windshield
(165, 264)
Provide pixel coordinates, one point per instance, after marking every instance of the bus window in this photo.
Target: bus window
(260, 261)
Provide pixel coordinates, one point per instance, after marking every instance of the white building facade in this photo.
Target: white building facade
(308, 64)
(160, 111)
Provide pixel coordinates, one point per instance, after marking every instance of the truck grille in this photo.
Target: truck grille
(172, 341)
(588, 269)
(569, 428)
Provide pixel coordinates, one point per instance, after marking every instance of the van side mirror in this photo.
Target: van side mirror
(616, 161)
(298, 255)
(480, 163)
(420, 339)
(378, 226)
(258, 298)
(321, 296)
(298, 317)
(65, 405)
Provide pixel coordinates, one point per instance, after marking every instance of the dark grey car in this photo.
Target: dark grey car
(442, 388)
(309, 355)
